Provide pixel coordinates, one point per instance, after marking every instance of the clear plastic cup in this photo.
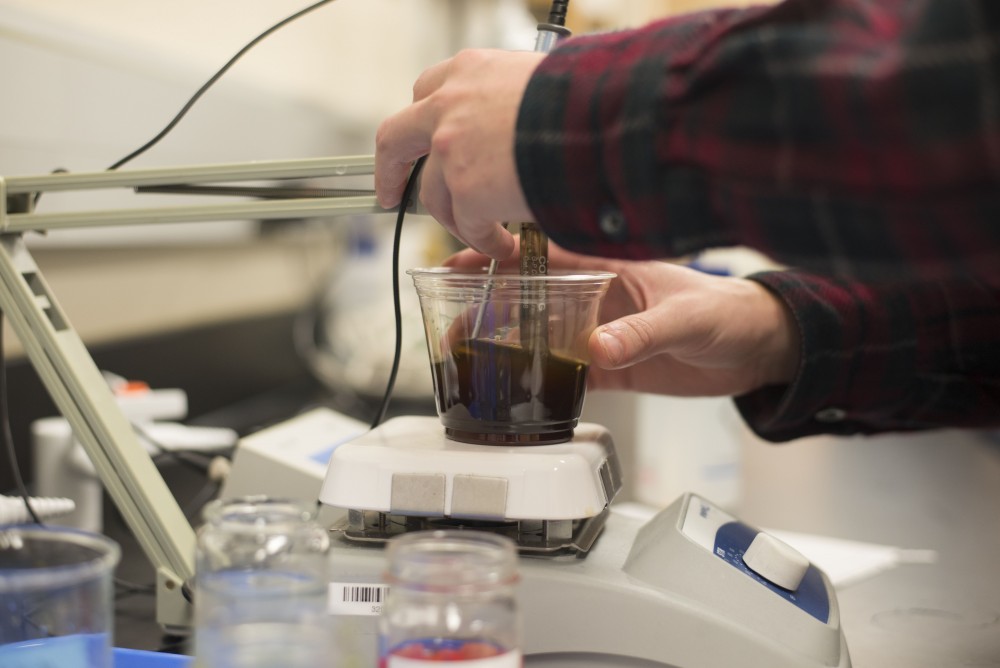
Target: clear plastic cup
(508, 353)
(56, 598)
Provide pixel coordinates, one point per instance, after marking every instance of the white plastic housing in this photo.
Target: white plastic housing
(546, 482)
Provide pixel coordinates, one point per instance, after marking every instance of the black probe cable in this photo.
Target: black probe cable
(8, 438)
(403, 205)
(215, 77)
(201, 91)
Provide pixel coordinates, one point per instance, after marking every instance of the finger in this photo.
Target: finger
(470, 258)
(560, 258)
(435, 195)
(466, 259)
(399, 140)
(490, 239)
(486, 236)
(405, 136)
(431, 79)
(618, 344)
(634, 338)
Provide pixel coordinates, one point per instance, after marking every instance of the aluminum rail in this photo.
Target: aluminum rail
(23, 219)
(70, 373)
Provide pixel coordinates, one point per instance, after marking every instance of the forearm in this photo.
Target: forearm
(890, 357)
(824, 134)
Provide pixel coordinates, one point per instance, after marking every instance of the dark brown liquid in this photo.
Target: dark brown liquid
(493, 392)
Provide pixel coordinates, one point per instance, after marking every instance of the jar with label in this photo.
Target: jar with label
(451, 598)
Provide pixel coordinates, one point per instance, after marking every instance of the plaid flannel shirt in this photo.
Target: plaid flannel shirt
(853, 139)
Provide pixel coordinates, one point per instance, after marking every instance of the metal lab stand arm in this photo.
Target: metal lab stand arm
(83, 397)
(69, 372)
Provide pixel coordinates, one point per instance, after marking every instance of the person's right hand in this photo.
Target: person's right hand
(463, 117)
(669, 329)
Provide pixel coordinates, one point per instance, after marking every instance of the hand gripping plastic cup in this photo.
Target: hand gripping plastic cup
(261, 586)
(508, 353)
(451, 599)
(56, 598)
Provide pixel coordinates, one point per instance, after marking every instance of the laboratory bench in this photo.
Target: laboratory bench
(936, 491)
(135, 619)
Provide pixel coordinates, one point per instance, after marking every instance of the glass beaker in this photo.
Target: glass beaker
(451, 598)
(261, 586)
(508, 352)
(56, 597)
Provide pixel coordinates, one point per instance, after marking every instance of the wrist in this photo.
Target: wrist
(781, 341)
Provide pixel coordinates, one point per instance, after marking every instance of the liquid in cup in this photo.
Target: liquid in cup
(508, 352)
(56, 598)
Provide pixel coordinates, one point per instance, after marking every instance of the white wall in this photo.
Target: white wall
(87, 82)
(355, 59)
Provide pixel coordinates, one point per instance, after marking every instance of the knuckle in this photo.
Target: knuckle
(420, 86)
(382, 137)
(467, 59)
(442, 141)
(642, 331)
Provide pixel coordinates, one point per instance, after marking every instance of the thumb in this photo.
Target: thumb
(629, 340)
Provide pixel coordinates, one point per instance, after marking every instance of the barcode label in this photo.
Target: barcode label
(353, 598)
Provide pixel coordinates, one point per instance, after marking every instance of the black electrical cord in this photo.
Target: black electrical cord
(403, 205)
(126, 588)
(8, 438)
(192, 459)
(201, 91)
(215, 77)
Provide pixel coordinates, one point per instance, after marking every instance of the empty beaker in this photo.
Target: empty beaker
(261, 586)
(508, 352)
(56, 598)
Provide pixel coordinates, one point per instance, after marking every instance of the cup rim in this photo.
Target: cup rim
(554, 276)
(106, 557)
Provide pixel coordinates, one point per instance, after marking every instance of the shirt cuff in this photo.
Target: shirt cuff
(830, 393)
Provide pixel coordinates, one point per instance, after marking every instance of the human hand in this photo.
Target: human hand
(463, 118)
(672, 330)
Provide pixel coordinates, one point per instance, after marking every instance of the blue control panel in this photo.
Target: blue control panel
(728, 539)
(732, 541)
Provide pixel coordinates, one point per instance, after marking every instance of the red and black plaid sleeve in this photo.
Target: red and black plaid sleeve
(884, 357)
(847, 137)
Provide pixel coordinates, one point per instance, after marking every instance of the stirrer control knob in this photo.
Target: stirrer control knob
(776, 561)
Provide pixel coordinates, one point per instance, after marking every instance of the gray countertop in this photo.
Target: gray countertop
(935, 490)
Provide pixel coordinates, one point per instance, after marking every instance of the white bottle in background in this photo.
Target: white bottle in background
(63, 468)
(688, 445)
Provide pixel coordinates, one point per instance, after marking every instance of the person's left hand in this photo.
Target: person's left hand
(668, 329)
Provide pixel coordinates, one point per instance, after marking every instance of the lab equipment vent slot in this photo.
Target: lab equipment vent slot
(45, 301)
